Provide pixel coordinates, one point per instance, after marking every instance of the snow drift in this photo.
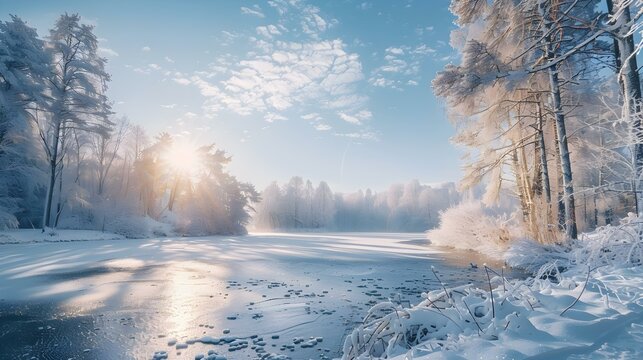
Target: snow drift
(584, 300)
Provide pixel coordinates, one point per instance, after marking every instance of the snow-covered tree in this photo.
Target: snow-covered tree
(105, 148)
(514, 97)
(77, 85)
(323, 206)
(404, 207)
(23, 70)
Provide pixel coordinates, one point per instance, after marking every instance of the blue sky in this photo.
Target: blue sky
(334, 90)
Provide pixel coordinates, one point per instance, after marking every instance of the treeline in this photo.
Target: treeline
(67, 161)
(403, 207)
(547, 100)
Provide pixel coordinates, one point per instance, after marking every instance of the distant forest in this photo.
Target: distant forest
(403, 207)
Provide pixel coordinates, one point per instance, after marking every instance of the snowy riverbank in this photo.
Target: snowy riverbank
(534, 318)
(26, 236)
(584, 301)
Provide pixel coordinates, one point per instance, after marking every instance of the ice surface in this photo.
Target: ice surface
(132, 298)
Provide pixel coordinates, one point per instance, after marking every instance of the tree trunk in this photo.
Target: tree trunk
(565, 160)
(520, 184)
(543, 155)
(59, 203)
(617, 52)
(627, 67)
(52, 176)
(173, 192)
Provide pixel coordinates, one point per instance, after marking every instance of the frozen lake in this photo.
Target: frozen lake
(127, 299)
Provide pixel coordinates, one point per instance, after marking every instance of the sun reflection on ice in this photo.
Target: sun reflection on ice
(193, 298)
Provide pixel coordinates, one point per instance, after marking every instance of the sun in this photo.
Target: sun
(183, 158)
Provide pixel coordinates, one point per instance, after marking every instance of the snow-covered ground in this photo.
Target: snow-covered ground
(297, 295)
(23, 236)
(536, 320)
(305, 296)
(583, 302)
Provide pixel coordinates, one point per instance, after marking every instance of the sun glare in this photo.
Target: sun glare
(183, 158)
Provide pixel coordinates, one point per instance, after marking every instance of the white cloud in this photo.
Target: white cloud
(395, 51)
(272, 117)
(107, 52)
(307, 17)
(422, 49)
(255, 11)
(147, 69)
(169, 59)
(311, 22)
(146, 48)
(356, 118)
(349, 118)
(268, 31)
(362, 135)
(182, 81)
(312, 117)
(227, 38)
(276, 76)
(401, 65)
(169, 106)
(280, 5)
(364, 115)
(381, 82)
(286, 74)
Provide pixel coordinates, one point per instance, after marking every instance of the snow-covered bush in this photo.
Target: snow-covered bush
(441, 320)
(532, 256)
(470, 226)
(608, 245)
(611, 244)
(123, 217)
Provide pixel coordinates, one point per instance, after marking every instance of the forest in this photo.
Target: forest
(68, 161)
(299, 205)
(547, 101)
(134, 238)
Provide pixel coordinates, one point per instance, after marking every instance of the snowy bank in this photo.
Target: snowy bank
(584, 301)
(23, 236)
(526, 318)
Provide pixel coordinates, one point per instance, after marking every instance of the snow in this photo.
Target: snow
(485, 232)
(606, 320)
(134, 297)
(584, 302)
(301, 295)
(22, 236)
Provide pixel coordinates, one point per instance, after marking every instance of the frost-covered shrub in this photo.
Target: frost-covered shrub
(440, 321)
(611, 245)
(470, 226)
(137, 227)
(532, 256)
(7, 219)
(608, 245)
(124, 218)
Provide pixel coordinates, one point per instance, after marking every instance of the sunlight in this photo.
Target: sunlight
(183, 158)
